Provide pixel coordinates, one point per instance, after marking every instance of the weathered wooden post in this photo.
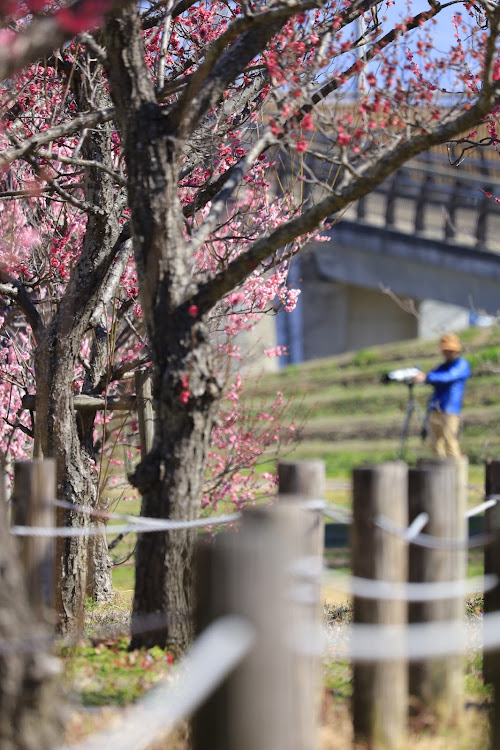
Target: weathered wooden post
(380, 689)
(303, 481)
(33, 498)
(491, 659)
(436, 684)
(250, 573)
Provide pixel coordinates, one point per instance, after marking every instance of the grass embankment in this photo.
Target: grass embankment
(346, 417)
(349, 417)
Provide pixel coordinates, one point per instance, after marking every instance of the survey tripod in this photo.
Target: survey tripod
(411, 407)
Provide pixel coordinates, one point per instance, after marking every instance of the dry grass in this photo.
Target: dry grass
(335, 727)
(334, 733)
(471, 733)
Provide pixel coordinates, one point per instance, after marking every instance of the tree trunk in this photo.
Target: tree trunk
(186, 391)
(99, 568)
(99, 583)
(56, 433)
(30, 705)
(170, 481)
(60, 432)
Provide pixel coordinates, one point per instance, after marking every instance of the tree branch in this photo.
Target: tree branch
(15, 290)
(82, 163)
(46, 34)
(369, 177)
(89, 120)
(228, 56)
(220, 204)
(108, 288)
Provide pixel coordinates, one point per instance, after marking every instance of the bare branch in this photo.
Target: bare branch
(52, 134)
(165, 40)
(220, 205)
(15, 290)
(228, 56)
(50, 156)
(113, 278)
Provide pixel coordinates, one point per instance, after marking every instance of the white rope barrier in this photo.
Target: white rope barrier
(412, 532)
(416, 526)
(316, 505)
(149, 525)
(29, 644)
(414, 642)
(213, 656)
(136, 524)
(431, 542)
(144, 524)
(362, 642)
(337, 513)
(111, 515)
(369, 588)
(488, 503)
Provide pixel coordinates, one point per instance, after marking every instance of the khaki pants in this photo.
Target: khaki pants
(444, 432)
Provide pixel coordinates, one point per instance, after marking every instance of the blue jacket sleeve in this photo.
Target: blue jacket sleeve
(460, 370)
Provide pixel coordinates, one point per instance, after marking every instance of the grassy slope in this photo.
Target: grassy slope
(349, 417)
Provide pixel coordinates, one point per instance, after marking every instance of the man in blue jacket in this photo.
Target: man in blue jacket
(445, 403)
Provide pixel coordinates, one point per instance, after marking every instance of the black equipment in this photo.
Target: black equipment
(406, 376)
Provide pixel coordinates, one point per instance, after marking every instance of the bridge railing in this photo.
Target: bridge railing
(427, 197)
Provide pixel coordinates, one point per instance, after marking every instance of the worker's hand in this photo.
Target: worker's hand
(420, 378)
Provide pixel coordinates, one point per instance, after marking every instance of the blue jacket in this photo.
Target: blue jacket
(449, 384)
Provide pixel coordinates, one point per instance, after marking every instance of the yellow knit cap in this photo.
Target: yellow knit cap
(450, 343)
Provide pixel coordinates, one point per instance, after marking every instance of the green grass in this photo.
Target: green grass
(124, 576)
(108, 674)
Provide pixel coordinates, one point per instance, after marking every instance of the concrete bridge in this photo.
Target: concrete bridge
(419, 255)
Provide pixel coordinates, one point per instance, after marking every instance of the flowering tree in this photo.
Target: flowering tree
(66, 266)
(218, 138)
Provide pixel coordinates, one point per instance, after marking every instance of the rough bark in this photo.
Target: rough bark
(60, 432)
(56, 434)
(30, 705)
(170, 483)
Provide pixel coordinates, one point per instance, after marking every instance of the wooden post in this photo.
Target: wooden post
(422, 201)
(144, 408)
(264, 704)
(436, 685)
(491, 659)
(462, 469)
(485, 209)
(380, 688)
(300, 481)
(33, 505)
